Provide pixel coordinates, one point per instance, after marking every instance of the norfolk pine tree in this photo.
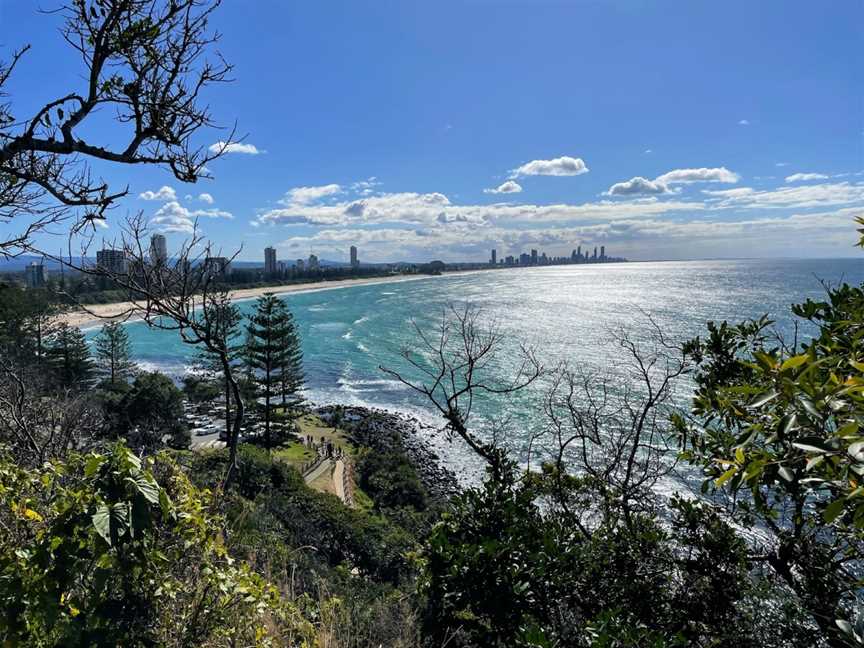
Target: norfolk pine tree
(113, 352)
(272, 353)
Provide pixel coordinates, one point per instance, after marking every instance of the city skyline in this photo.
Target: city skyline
(760, 147)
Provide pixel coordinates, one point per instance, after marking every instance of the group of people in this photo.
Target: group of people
(324, 448)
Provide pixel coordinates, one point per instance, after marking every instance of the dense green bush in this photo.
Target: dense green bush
(104, 549)
(391, 481)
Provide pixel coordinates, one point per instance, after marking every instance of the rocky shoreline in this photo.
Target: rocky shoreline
(384, 431)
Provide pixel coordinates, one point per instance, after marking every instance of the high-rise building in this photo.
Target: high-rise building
(602, 252)
(217, 267)
(313, 263)
(111, 261)
(35, 275)
(270, 261)
(533, 257)
(158, 250)
(579, 252)
(595, 253)
(355, 262)
(300, 265)
(494, 258)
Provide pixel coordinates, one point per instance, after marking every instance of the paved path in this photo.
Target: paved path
(320, 469)
(338, 480)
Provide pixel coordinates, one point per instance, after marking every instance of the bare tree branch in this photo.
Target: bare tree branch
(145, 60)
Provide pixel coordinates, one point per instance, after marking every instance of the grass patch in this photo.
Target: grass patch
(362, 501)
(294, 453)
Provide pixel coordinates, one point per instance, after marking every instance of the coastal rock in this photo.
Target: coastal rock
(384, 431)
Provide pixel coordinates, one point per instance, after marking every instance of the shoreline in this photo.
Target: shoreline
(97, 314)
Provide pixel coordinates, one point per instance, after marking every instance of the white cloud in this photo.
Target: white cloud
(235, 147)
(435, 209)
(640, 186)
(460, 241)
(164, 193)
(365, 187)
(781, 164)
(804, 177)
(304, 195)
(174, 217)
(637, 186)
(508, 187)
(799, 197)
(685, 176)
(743, 122)
(205, 198)
(647, 151)
(562, 166)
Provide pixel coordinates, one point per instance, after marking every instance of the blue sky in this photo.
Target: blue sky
(661, 129)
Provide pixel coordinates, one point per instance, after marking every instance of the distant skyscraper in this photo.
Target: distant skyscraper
(494, 259)
(219, 267)
(602, 252)
(158, 250)
(313, 262)
(300, 265)
(112, 261)
(270, 261)
(579, 252)
(595, 252)
(35, 275)
(355, 263)
(533, 257)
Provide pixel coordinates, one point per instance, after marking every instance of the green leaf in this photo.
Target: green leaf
(102, 522)
(856, 451)
(149, 489)
(787, 423)
(764, 398)
(794, 362)
(833, 510)
(766, 360)
(726, 476)
(812, 444)
(93, 464)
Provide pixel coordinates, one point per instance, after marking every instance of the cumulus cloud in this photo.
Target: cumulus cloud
(235, 147)
(459, 241)
(174, 217)
(427, 210)
(205, 198)
(562, 166)
(804, 177)
(743, 122)
(164, 193)
(304, 195)
(686, 176)
(637, 186)
(640, 186)
(508, 187)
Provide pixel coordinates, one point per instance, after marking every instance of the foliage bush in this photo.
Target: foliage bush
(105, 549)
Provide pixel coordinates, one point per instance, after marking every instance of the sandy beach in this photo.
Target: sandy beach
(98, 314)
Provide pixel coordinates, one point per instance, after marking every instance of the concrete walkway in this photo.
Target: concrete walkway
(338, 480)
(320, 469)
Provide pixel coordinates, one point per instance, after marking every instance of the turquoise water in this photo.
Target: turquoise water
(564, 312)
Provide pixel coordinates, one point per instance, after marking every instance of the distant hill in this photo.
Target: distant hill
(18, 263)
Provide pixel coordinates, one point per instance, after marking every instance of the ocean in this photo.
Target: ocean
(565, 313)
